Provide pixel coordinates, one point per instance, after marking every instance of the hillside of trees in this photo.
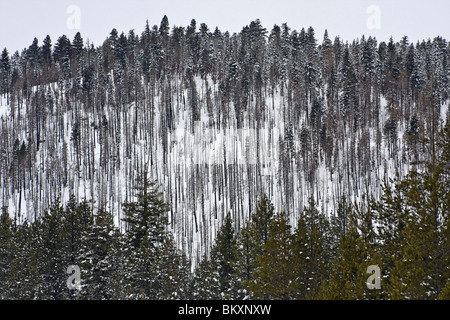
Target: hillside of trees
(406, 234)
(189, 163)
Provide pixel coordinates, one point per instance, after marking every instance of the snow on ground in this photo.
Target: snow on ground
(192, 170)
(4, 109)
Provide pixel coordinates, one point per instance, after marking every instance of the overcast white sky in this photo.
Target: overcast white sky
(22, 20)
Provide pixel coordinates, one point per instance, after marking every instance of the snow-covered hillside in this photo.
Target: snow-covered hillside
(205, 169)
(218, 121)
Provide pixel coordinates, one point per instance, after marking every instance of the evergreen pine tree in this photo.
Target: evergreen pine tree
(348, 274)
(216, 277)
(223, 256)
(172, 272)
(349, 95)
(251, 239)
(33, 54)
(77, 47)
(23, 278)
(121, 277)
(349, 270)
(205, 284)
(6, 252)
(140, 270)
(421, 269)
(146, 217)
(96, 261)
(275, 270)
(47, 51)
(5, 69)
(245, 248)
(413, 223)
(53, 254)
(77, 219)
(146, 233)
(312, 250)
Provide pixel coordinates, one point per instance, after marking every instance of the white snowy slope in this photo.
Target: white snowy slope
(206, 168)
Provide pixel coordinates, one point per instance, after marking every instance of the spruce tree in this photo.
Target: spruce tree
(121, 277)
(349, 269)
(205, 284)
(47, 51)
(160, 272)
(146, 217)
(251, 239)
(172, 272)
(245, 254)
(444, 144)
(275, 270)
(413, 223)
(6, 252)
(348, 273)
(223, 256)
(349, 90)
(77, 219)
(391, 218)
(95, 256)
(140, 270)
(216, 277)
(421, 269)
(53, 254)
(5, 69)
(24, 277)
(77, 47)
(312, 250)
(146, 232)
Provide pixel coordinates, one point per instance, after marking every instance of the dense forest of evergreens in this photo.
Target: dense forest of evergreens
(187, 163)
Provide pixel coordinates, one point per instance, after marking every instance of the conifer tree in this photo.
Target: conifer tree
(421, 269)
(76, 220)
(251, 239)
(5, 69)
(160, 272)
(33, 54)
(444, 144)
(121, 277)
(216, 277)
(77, 47)
(148, 244)
(413, 226)
(245, 248)
(348, 279)
(53, 255)
(349, 82)
(23, 278)
(146, 217)
(96, 261)
(47, 51)
(6, 252)
(140, 270)
(420, 264)
(312, 250)
(205, 284)
(275, 269)
(62, 54)
(223, 256)
(172, 272)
